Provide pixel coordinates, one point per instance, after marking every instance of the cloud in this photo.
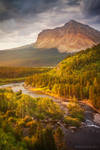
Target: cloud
(19, 8)
(91, 8)
(73, 2)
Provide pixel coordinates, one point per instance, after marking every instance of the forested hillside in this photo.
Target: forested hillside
(77, 76)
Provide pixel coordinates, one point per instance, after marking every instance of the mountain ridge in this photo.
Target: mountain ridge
(73, 36)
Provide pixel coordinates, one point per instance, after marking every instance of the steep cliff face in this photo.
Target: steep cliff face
(73, 36)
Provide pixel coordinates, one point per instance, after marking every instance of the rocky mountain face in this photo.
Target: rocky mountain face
(73, 36)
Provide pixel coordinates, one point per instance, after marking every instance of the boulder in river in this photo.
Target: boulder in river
(97, 118)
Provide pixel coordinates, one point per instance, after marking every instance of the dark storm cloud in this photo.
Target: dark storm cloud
(22, 8)
(91, 8)
(73, 2)
(18, 8)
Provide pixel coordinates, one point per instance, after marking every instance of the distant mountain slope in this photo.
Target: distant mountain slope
(28, 56)
(73, 36)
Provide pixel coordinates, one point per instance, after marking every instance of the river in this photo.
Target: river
(20, 86)
(88, 111)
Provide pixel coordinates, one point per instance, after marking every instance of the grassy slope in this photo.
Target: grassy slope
(29, 57)
(79, 63)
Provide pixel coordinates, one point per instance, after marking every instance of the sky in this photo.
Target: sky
(22, 20)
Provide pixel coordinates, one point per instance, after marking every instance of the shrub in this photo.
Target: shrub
(72, 121)
(21, 123)
(76, 111)
(32, 125)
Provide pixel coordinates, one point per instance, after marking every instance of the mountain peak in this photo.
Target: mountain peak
(75, 24)
(73, 36)
(73, 21)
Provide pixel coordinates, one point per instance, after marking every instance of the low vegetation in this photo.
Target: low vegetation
(28, 123)
(76, 111)
(76, 114)
(72, 121)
